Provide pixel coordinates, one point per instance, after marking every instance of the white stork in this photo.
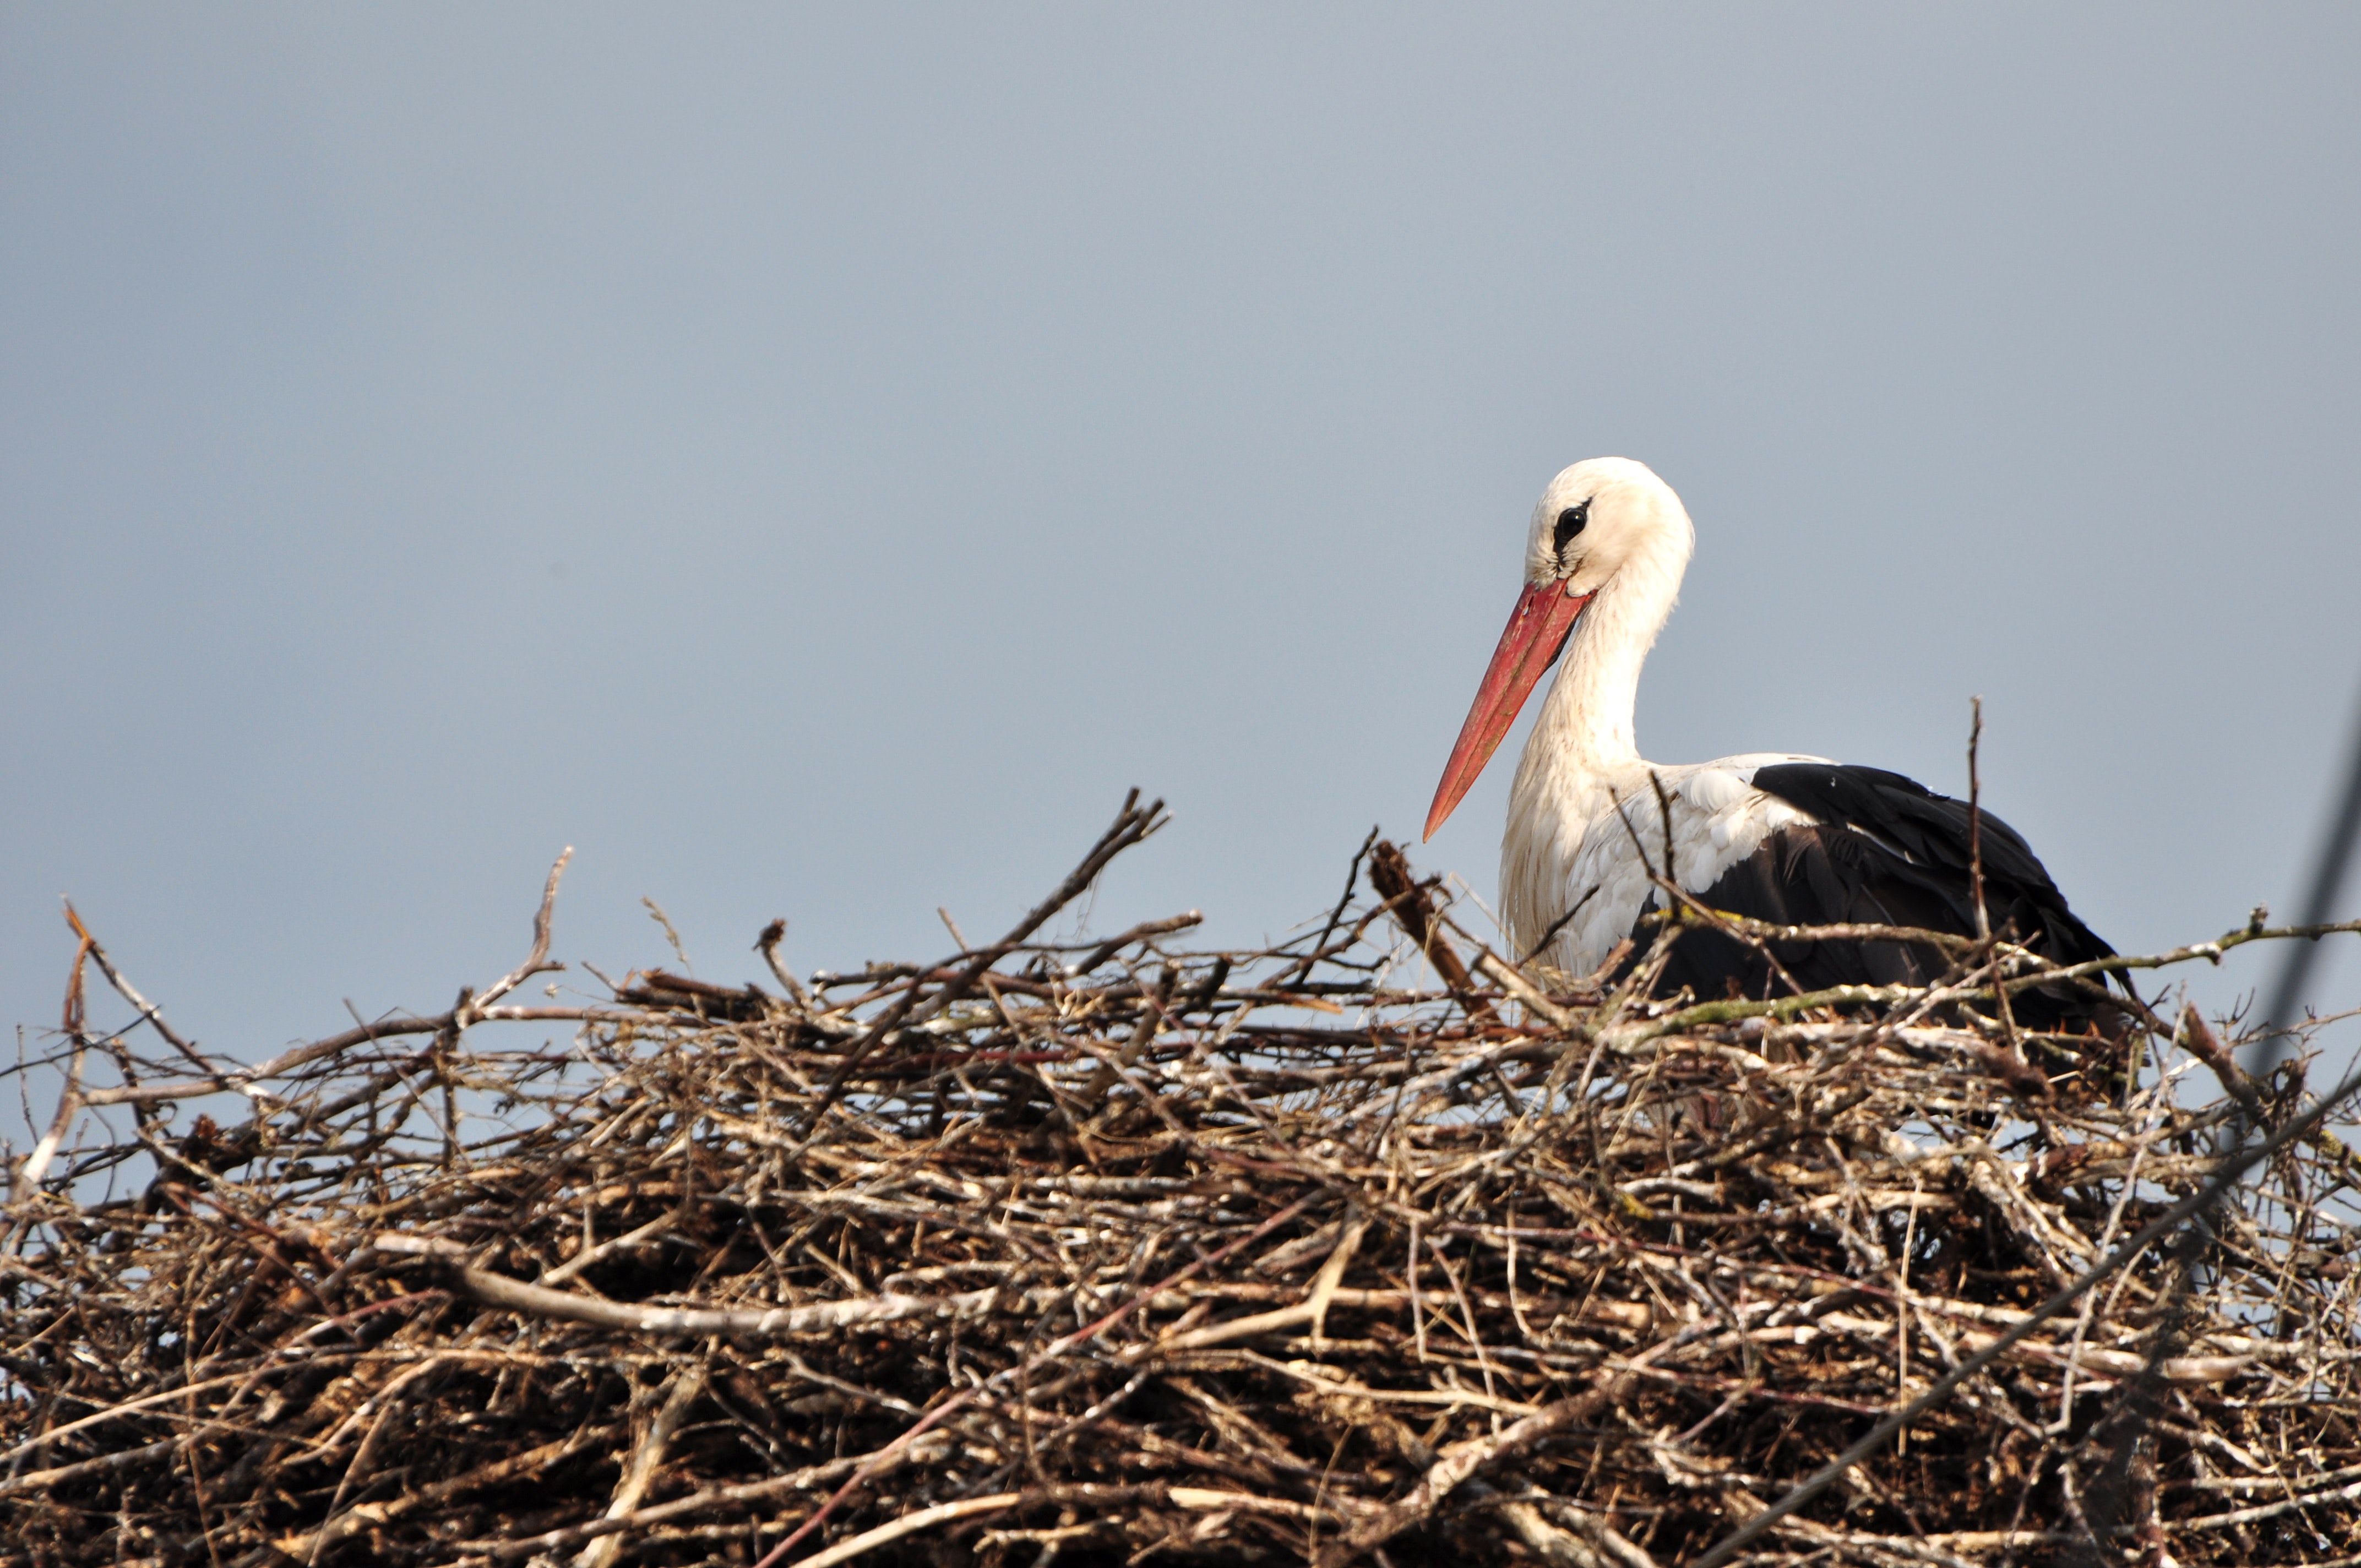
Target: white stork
(1787, 839)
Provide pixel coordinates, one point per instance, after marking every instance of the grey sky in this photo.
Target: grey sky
(812, 461)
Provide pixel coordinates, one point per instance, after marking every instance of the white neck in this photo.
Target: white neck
(1584, 734)
(1582, 759)
(1582, 749)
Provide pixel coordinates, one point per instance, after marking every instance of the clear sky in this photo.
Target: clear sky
(813, 459)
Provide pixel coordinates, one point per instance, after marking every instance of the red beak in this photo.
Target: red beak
(1537, 631)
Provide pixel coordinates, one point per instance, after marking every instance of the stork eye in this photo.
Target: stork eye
(1570, 523)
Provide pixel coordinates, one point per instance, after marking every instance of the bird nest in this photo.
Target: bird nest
(1120, 1253)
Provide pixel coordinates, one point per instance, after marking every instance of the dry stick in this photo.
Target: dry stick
(2197, 1037)
(1976, 875)
(537, 962)
(2007, 1063)
(1506, 976)
(1332, 1274)
(1417, 1307)
(71, 1099)
(1531, 995)
(1324, 1295)
(850, 1390)
(1198, 1498)
(767, 944)
(1131, 824)
(1352, 880)
(363, 1460)
(1414, 1092)
(1152, 1013)
(1976, 822)
(233, 1078)
(1873, 995)
(469, 1006)
(2226, 1175)
(121, 1458)
(1467, 1314)
(1139, 933)
(688, 1387)
(712, 1497)
(1730, 1011)
(2136, 1405)
(1560, 924)
(590, 1256)
(112, 1412)
(2038, 971)
(1462, 1460)
(1050, 1353)
(365, 1515)
(1664, 815)
(1641, 981)
(774, 1322)
(242, 1079)
(75, 1009)
(908, 1524)
(2211, 951)
(439, 1059)
(1679, 898)
(1389, 873)
(147, 1010)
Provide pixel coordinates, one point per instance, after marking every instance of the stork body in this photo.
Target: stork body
(1788, 838)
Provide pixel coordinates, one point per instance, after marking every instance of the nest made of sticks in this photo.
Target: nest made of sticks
(1121, 1253)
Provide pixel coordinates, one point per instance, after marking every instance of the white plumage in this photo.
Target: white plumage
(1593, 846)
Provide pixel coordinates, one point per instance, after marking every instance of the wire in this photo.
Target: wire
(2327, 882)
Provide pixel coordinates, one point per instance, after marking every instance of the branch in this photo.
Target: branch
(1131, 824)
(537, 962)
(689, 1322)
(687, 1387)
(122, 988)
(1389, 873)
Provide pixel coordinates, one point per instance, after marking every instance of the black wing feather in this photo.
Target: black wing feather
(1884, 850)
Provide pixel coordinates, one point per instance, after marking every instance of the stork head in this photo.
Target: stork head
(1602, 519)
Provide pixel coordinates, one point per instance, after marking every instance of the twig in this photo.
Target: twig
(1131, 824)
(1343, 902)
(147, 1009)
(1389, 873)
(536, 961)
(688, 1387)
(681, 1322)
(767, 944)
(910, 1524)
(1976, 822)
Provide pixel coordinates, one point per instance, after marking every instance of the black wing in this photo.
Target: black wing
(1885, 851)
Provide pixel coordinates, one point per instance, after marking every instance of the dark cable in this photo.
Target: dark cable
(2327, 882)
